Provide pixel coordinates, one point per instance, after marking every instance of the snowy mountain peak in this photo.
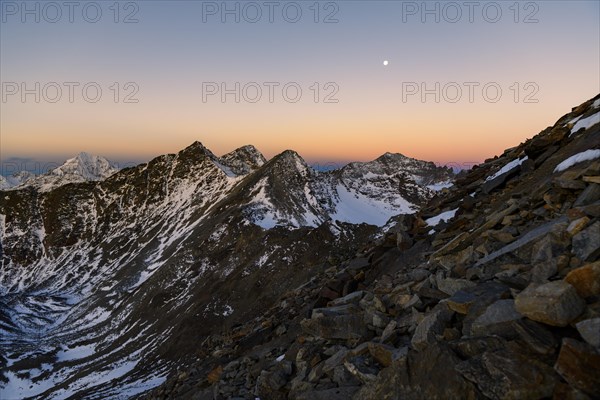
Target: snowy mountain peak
(86, 166)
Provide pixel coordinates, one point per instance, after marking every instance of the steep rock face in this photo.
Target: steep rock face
(495, 300)
(106, 285)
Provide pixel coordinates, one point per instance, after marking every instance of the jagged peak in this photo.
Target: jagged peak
(290, 157)
(196, 152)
(388, 155)
(289, 154)
(247, 148)
(197, 147)
(246, 152)
(287, 163)
(243, 160)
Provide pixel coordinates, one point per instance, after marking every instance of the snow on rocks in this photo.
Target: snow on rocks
(585, 123)
(443, 217)
(509, 166)
(587, 155)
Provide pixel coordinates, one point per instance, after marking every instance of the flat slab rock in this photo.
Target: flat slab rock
(523, 240)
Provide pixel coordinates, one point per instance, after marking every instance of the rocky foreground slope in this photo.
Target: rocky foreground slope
(491, 291)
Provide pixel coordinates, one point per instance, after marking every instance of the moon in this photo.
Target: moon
(385, 63)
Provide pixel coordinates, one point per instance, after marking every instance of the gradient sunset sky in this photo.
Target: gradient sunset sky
(549, 50)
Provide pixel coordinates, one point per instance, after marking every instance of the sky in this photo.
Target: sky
(337, 81)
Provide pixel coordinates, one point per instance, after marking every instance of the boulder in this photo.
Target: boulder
(485, 294)
(497, 319)
(589, 330)
(499, 181)
(452, 285)
(535, 336)
(343, 378)
(586, 279)
(388, 333)
(554, 303)
(386, 355)
(586, 243)
(361, 368)
(564, 391)
(570, 184)
(461, 301)
(337, 324)
(524, 241)
(577, 225)
(432, 325)
(589, 195)
(352, 298)
(268, 384)
(335, 360)
(579, 364)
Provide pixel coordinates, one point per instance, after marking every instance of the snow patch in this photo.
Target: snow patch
(439, 186)
(75, 353)
(445, 216)
(228, 310)
(507, 168)
(577, 158)
(586, 123)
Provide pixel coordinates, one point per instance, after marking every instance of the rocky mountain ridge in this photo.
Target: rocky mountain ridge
(106, 285)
